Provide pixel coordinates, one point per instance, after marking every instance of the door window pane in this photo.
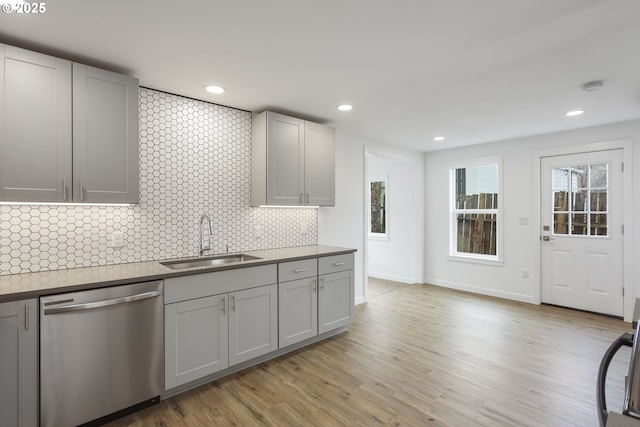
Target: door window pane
(586, 214)
(598, 176)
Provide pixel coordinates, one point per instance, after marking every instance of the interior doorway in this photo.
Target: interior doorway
(393, 220)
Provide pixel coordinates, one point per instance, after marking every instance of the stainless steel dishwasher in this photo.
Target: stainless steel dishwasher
(101, 352)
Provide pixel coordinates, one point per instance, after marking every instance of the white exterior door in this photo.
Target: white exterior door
(582, 233)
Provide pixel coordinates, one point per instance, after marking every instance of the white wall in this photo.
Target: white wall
(344, 224)
(394, 258)
(521, 242)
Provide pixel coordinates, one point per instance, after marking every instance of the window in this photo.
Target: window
(580, 200)
(475, 215)
(378, 215)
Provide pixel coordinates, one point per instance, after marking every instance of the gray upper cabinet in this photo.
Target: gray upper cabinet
(35, 127)
(105, 136)
(293, 162)
(68, 132)
(19, 363)
(319, 165)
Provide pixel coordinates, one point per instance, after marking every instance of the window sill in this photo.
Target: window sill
(381, 237)
(476, 260)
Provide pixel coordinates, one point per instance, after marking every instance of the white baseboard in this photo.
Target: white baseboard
(359, 300)
(482, 291)
(407, 280)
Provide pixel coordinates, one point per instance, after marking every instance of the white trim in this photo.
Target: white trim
(407, 280)
(627, 220)
(480, 290)
(475, 259)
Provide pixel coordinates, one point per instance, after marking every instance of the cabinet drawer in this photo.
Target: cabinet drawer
(206, 284)
(331, 264)
(294, 270)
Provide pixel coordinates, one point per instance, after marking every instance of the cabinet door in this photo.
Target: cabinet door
(19, 363)
(35, 127)
(196, 339)
(253, 323)
(319, 165)
(298, 310)
(105, 136)
(285, 160)
(335, 306)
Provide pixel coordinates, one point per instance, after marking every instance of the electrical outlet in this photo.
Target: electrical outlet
(117, 239)
(257, 231)
(525, 274)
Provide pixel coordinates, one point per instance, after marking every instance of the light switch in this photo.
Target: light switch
(257, 231)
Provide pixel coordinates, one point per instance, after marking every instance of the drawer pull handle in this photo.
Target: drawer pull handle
(337, 264)
(300, 270)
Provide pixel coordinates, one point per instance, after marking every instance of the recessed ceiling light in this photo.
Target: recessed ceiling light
(574, 113)
(439, 138)
(345, 107)
(215, 89)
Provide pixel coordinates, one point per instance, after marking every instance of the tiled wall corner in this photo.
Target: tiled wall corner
(195, 158)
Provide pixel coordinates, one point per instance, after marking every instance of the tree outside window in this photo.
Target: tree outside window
(378, 224)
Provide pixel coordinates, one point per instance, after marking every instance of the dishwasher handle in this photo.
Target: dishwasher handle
(103, 303)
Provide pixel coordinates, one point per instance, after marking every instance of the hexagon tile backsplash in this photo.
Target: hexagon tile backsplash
(195, 158)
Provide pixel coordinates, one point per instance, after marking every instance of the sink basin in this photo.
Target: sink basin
(207, 262)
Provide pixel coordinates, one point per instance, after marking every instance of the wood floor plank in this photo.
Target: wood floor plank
(421, 355)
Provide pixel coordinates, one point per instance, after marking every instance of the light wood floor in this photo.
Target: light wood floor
(422, 356)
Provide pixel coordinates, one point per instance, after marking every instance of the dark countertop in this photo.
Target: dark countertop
(29, 285)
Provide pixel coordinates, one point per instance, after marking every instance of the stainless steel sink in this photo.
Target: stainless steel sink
(214, 261)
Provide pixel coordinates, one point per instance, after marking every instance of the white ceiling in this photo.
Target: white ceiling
(472, 70)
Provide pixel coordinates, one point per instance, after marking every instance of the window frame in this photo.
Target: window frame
(379, 236)
(454, 255)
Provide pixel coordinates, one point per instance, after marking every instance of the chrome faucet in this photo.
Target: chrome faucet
(204, 217)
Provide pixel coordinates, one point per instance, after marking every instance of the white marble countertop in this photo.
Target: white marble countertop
(29, 285)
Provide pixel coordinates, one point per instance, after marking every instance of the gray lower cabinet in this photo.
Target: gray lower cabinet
(253, 323)
(335, 300)
(216, 320)
(336, 291)
(19, 363)
(196, 339)
(298, 301)
(315, 296)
